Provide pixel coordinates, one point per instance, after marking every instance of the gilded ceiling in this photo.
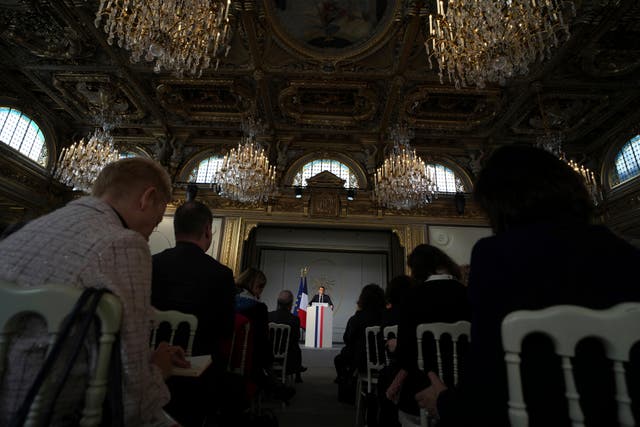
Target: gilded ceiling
(322, 79)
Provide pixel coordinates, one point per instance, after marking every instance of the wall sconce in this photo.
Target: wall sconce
(351, 194)
(298, 192)
(460, 202)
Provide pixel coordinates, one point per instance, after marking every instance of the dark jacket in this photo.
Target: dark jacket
(186, 279)
(441, 300)
(354, 351)
(325, 298)
(534, 267)
(294, 354)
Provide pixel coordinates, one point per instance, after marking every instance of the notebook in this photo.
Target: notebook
(198, 365)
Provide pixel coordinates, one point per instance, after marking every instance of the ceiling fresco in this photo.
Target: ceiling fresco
(321, 75)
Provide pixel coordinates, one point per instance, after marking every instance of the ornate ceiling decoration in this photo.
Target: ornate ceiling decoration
(337, 84)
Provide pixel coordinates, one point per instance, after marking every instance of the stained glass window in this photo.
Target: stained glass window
(446, 180)
(337, 168)
(627, 162)
(204, 172)
(22, 134)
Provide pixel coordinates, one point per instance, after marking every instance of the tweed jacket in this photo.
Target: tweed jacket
(85, 244)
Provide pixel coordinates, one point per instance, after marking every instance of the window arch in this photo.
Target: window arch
(316, 166)
(627, 162)
(21, 133)
(205, 170)
(129, 152)
(445, 179)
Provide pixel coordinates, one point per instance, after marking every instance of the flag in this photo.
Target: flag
(302, 302)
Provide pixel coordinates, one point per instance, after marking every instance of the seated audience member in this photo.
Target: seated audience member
(397, 290)
(251, 283)
(353, 357)
(544, 252)
(437, 296)
(187, 279)
(101, 242)
(283, 315)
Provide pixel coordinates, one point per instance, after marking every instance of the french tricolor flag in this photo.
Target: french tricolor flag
(302, 301)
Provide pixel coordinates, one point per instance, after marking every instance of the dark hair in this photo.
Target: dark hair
(397, 288)
(247, 278)
(371, 298)
(426, 260)
(285, 299)
(526, 185)
(191, 219)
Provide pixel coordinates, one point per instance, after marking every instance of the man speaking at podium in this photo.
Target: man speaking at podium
(321, 297)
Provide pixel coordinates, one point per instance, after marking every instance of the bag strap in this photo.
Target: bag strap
(89, 298)
(84, 321)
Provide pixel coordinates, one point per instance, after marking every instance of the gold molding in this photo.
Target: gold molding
(229, 250)
(410, 236)
(247, 226)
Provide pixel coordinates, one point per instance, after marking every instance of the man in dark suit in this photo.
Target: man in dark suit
(283, 315)
(186, 279)
(321, 297)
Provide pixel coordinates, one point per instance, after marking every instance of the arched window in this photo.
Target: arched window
(627, 164)
(23, 134)
(314, 167)
(206, 169)
(446, 180)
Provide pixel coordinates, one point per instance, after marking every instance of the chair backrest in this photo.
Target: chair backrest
(455, 331)
(618, 328)
(53, 303)
(175, 319)
(389, 332)
(279, 337)
(238, 357)
(374, 349)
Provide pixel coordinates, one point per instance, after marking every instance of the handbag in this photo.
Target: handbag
(81, 317)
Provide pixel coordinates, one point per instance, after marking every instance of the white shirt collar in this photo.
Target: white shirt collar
(440, 277)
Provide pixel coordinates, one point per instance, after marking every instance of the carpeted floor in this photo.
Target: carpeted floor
(315, 403)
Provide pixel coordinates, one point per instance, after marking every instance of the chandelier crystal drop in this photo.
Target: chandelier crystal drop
(180, 36)
(403, 181)
(79, 165)
(478, 41)
(552, 142)
(246, 175)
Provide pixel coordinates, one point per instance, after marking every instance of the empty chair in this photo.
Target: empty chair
(616, 327)
(279, 338)
(375, 361)
(175, 319)
(53, 303)
(455, 331)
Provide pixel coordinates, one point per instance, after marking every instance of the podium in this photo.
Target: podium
(319, 332)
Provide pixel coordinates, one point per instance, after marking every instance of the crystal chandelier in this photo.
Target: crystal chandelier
(479, 41)
(552, 142)
(79, 165)
(180, 36)
(403, 181)
(245, 174)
